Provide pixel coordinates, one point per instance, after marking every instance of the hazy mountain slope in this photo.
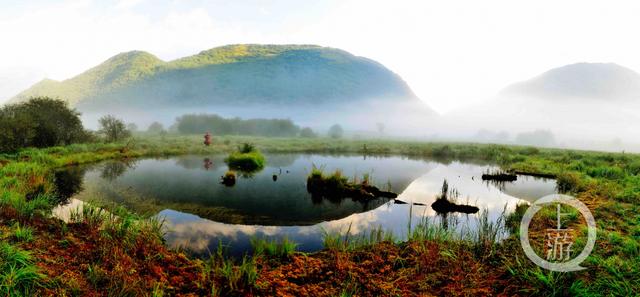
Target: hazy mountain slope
(117, 72)
(586, 105)
(602, 81)
(232, 75)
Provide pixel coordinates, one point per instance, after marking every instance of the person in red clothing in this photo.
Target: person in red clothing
(207, 139)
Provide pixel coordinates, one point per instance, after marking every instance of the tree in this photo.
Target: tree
(39, 122)
(113, 129)
(132, 127)
(217, 125)
(16, 130)
(155, 128)
(307, 133)
(336, 131)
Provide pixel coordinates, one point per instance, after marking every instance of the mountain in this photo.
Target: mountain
(229, 76)
(599, 81)
(584, 105)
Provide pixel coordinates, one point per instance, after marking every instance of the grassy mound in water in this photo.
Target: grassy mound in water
(246, 158)
(336, 185)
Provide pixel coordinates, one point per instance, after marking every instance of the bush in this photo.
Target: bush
(568, 182)
(247, 148)
(113, 129)
(307, 133)
(608, 172)
(336, 131)
(156, 128)
(39, 122)
(247, 158)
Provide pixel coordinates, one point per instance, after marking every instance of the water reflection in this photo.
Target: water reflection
(111, 170)
(68, 182)
(200, 211)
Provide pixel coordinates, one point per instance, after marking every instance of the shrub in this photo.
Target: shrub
(113, 129)
(335, 131)
(568, 182)
(247, 158)
(156, 128)
(229, 178)
(247, 148)
(39, 122)
(307, 133)
(608, 172)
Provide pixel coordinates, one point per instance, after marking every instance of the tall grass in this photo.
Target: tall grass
(22, 233)
(484, 239)
(350, 242)
(246, 158)
(233, 276)
(18, 275)
(273, 248)
(26, 209)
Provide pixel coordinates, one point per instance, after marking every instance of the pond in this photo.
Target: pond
(200, 212)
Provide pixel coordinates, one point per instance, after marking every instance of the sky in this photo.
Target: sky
(451, 53)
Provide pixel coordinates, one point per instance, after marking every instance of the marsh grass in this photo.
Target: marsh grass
(282, 249)
(609, 182)
(18, 274)
(223, 274)
(22, 233)
(484, 239)
(349, 242)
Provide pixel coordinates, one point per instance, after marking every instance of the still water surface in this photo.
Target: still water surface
(200, 212)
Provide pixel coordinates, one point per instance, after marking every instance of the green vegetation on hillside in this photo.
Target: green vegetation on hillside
(227, 76)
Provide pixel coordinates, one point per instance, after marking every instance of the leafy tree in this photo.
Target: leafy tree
(156, 128)
(132, 127)
(16, 129)
(113, 129)
(336, 131)
(217, 125)
(307, 133)
(39, 122)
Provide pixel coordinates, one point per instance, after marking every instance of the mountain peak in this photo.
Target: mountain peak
(232, 75)
(608, 81)
(132, 56)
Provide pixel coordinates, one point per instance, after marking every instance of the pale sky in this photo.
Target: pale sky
(451, 53)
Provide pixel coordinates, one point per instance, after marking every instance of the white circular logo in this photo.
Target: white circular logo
(558, 241)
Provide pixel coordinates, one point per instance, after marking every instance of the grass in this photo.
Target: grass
(22, 233)
(229, 178)
(128, 248)
(282, 249)
(18, 274)
(246, 158)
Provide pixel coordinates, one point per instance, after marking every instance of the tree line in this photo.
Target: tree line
(201, 123)
(45, 122)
